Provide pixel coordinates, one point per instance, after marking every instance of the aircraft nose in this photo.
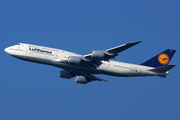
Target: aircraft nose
(6, 50)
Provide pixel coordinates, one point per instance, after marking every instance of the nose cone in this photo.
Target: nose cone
(6, 50)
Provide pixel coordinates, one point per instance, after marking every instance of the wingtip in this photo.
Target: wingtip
(138, 41)
(106, 80)
(134, 43)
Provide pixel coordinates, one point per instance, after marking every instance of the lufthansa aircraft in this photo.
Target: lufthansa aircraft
(98, 62)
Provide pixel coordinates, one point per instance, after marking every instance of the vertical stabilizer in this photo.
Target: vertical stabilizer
(161, 59)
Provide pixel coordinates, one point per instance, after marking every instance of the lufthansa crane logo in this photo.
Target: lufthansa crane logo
(163, 59)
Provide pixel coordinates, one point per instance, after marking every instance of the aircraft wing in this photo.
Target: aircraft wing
(96, 56)
(86, 77)
(122, 47)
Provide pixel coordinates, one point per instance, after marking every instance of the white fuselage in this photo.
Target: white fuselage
(59, 58)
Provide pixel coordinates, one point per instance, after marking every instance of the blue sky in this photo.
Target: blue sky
(30, 91)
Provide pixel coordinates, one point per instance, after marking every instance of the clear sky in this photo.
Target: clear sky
(30, 91)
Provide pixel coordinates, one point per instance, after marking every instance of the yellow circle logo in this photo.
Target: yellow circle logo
(163, 59)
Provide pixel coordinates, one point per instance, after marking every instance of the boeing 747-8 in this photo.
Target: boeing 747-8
(83, 67)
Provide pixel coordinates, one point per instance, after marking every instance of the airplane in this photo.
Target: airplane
(83, 67)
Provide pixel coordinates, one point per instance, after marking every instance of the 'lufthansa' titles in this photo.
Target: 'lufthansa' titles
(39, 50)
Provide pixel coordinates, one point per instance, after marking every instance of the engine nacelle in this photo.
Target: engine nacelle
(74, 60)
(81, 79)
(97, 54)
(66, 74)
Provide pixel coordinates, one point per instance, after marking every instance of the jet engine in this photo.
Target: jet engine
(74, 60)
(66, 74)
(97, 54)
(81, 79)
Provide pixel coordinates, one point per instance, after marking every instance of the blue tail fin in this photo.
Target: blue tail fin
(160, 59)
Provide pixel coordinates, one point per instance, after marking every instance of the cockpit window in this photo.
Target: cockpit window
(18, 44)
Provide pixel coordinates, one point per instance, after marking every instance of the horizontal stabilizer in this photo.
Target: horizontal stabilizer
(163, 69)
